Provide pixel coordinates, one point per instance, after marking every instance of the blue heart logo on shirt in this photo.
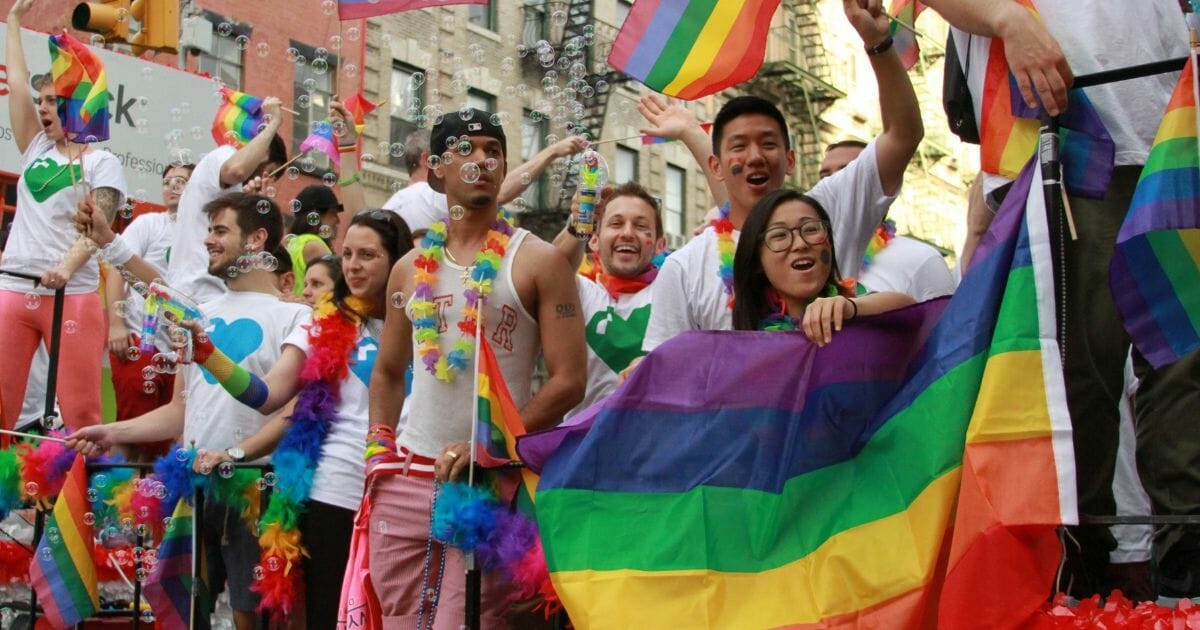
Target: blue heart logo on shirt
(363, 360)
(237, 340)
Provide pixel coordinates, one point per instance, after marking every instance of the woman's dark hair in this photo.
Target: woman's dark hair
(750, 283)
(332, 264)
(393, 232)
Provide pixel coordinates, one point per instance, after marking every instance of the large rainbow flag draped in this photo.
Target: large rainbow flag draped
(355, 9)
(63, 570)
(693, 48)
(905, 12)
(1155, 273)
(499, 425)
(81, 85)
(910, 474)
(238, 118)
(169, 587)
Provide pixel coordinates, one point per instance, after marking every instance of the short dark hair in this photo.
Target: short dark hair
(393, 232)
(843, 144)
(743, 106)
(283, 260)
(278, 152)
(174, 165)
(331, 262)
(634, 189)
(250, 216)
(750, 283)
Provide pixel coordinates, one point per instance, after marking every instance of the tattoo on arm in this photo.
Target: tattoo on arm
(564, 311)
(107, 200)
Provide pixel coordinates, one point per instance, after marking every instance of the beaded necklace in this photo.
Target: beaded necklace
(725, 249)
(479, 285)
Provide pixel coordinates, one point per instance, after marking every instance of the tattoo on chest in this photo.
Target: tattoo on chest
(564, 311)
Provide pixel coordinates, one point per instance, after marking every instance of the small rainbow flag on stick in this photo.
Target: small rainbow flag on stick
(238, 118)
(81, 86)
(499, 424)
(359, 106)
(63, 571)
(905, 12)
(693, 48)
(1155, 272)
(355, 9)
(321, 139)
(169, 587)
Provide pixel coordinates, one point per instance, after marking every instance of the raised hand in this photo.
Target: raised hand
(666, 120)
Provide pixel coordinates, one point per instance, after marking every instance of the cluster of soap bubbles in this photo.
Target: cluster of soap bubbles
(251, 261)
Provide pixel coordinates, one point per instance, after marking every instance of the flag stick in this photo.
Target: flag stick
(637, 137)
(337, 77)
(290, 111)
(286, 164)
(32, 436)
(905, 26)
(474, 585)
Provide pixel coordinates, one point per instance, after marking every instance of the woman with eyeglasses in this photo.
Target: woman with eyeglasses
(325, 366)
(322, 274)
(785, 272)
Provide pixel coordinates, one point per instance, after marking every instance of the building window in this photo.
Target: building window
(225, 60)
(623, 9)
(406, 101)
(533, 140)
(483, 15)
(627, 165)
(673, 205)
(481, 100)
(316, 88)
(534, 29)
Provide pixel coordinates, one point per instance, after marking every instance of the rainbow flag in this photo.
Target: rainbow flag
(499, 424)
(1155, 272)
(238, 118)
(907, 475)
(169, 587)
(905, 12)
(359, 106)
(693, 48)
(81, 86)
(355, 9)
(321, 139)
(63, 571)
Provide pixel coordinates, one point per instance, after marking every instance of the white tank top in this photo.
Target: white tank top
(440, 412)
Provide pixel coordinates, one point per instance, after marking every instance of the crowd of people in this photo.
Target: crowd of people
(326, 354)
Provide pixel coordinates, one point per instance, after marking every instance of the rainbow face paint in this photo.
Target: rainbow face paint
(736, 167)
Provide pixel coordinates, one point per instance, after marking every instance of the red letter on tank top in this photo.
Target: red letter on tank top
(504, 331)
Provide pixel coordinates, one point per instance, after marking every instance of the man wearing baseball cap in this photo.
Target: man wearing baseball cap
(527, 302)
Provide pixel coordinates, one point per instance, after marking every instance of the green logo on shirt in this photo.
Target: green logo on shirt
(617, 340)
(44, 177)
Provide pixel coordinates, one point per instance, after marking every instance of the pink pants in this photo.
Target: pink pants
(399, 535)
(83, 336)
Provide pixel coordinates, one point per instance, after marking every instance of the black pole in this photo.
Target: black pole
(474, 593)
(55, 346)
(1129, 72)
(198, 581)
(39, 525)
(1055, 217)
(137, 565)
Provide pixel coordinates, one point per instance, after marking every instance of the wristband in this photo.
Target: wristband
(117, 252)
(855, 305)
(881, 47)
(353, 179)
(347, 148)
(381, 446)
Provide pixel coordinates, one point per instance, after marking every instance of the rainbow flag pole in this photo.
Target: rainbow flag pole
(474, 594)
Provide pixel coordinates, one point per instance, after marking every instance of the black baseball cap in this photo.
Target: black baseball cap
(466, 122)
(317, 198)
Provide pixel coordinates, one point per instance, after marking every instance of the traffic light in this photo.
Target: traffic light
(160, 25)
(109, 18)
(159, 22)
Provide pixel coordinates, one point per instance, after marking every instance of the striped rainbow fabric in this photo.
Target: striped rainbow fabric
(929, 453)
(499, 425)
(237, 119)
(355, 9)
(322, 139)
(63, 571)
(169, 587)
(693, 48)
(81, 85)
(905, 12)
(1155, 273)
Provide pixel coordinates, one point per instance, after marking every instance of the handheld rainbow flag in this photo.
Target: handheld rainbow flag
(81, 85)
(826, 493)
(1155, 272)
(237, 119)
(649, 139)
(63, 571)
(355, 9)
(169, 587)
(321, 139)
(905, 12)
(693, 48)
(499, 424)
(359, 106)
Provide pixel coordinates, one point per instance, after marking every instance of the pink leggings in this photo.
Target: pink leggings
(83, 336)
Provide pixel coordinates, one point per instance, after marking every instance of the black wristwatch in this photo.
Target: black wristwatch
(236, 453)
(881, 47)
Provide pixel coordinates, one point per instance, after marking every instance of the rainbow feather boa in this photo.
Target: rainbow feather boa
(883, 235)
(332, 337)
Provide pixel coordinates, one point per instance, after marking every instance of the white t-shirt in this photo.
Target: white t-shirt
(43, 229)
(188, 267)
(614, 330)
(911, 267)
(339, 477)
(688, 293)
(150, 236)
(250, 328)
(419, 205)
